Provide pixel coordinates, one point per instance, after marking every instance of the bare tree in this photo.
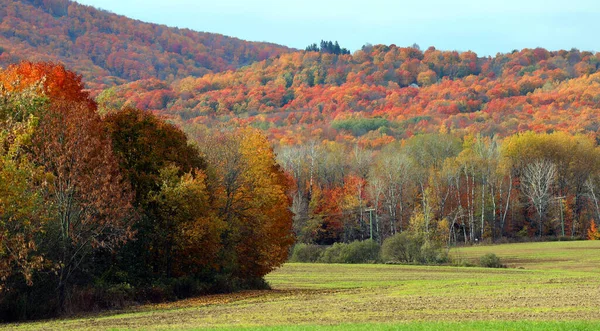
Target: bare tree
(395, 171)
(538, 179)
(302, 163)
(361, 160)
(376, 190)
(591, 188)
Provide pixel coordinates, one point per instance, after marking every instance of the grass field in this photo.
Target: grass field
(547, 286)
(562, 255)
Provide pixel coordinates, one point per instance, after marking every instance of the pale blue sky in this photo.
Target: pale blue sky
(485, 27)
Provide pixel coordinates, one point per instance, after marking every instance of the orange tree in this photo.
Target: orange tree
(593, 233)
(87, 201)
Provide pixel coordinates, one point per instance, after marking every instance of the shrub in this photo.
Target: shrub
(408, 248)
(186, 287)
(355, 252)
(332, 253)
(462, 263)
(401, 248)
(307, 253)
(432, 253)
(360, 252)
(490, 260)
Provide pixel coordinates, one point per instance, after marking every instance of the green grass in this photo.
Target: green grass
(566, 255)
(558, 289)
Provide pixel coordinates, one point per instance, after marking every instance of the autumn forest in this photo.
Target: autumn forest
(141, 163)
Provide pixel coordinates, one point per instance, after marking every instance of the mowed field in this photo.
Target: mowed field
(554, 285)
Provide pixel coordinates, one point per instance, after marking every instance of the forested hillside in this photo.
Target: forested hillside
(385, 93)
(440, 145)
(110, 49)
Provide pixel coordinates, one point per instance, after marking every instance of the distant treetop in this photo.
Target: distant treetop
(327, 47)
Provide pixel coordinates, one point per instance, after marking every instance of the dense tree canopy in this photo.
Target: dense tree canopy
(90, 203)
(146, 144)
(385, 93)
(454, 189)
(109, 49)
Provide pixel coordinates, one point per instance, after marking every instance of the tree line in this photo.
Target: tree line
(456, 189)
(102, 208)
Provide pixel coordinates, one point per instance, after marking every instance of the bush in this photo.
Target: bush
(29, 302)
(186, 287)
(355, 252)
(113, 296)
(307, 253)
(333, 254)
(432, 253)
(360, 252)
(490, 260)
(400, 248)
(407, 248)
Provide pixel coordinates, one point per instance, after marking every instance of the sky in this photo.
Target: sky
(485, 27)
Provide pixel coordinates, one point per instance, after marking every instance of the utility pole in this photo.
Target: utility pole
(371, 210)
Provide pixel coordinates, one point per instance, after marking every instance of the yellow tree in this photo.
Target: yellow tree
(251, 196)
(22, 217)
(188, 233)
(575, 158)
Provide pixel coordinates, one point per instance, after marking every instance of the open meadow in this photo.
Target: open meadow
(551, 285)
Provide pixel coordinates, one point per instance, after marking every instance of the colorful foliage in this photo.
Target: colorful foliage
(109, 49)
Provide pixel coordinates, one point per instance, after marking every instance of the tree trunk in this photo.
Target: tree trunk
(482, 209)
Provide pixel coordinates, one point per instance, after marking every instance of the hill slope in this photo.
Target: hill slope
(385, 93)
(109, 49)
(374, 96)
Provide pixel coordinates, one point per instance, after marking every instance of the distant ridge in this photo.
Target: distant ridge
(384, 93)
(108, 49)
(378, 94)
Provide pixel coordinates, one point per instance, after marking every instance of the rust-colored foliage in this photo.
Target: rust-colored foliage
(88, 201)
(57, 83)
(109, 49)
(592, 232)
(298, 96)
(251, 197)
(72, 146)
